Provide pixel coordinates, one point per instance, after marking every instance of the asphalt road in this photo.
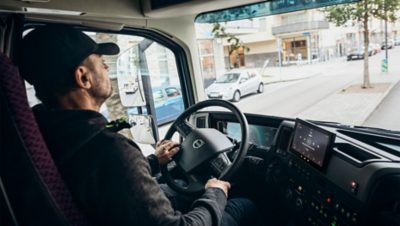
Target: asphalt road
(289, 99)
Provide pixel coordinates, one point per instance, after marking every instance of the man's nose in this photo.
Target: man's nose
(106, 66)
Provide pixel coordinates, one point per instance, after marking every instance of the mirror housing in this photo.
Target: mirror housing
(141, 129)
(129, 78)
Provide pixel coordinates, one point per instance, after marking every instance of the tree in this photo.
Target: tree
(235, 46)
(361, 12)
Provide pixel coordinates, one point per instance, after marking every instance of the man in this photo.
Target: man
(107, 174)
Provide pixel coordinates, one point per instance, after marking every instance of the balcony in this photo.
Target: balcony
(299, 27)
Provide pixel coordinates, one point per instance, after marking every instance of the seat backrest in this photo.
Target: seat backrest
(23, 135)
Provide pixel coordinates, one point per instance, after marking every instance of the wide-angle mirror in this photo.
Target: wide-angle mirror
(130, 86)
(141, 129)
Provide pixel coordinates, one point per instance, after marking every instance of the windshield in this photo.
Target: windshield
(311, 63)
(228, 78)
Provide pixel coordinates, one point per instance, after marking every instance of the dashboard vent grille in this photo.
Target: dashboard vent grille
(284, 138)
(201, 122)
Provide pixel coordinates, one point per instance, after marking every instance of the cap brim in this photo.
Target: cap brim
(107, 49)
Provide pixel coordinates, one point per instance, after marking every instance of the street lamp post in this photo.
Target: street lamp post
(386, 40)
(279, 47)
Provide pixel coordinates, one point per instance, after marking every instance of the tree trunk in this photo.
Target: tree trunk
(233, 59)
(366, 82)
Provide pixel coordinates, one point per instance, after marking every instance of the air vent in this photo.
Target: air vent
(201, 122)
(284, 138)
(358, 155)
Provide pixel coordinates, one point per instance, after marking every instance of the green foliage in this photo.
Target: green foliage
(361, 12)
(234, 42)
(341, 14)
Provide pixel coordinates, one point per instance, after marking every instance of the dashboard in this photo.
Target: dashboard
(262, 136)
(326, 175)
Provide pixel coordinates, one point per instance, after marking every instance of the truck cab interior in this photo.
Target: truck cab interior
(312, 172)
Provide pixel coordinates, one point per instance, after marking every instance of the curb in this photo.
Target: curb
(381, 99)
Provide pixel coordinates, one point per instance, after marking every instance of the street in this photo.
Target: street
(290, 99)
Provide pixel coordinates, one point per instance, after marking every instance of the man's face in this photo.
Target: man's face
(102, 88)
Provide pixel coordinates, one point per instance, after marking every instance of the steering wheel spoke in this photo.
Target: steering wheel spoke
(183, 128)
(220, 164)
(194, 183)
(188, 181)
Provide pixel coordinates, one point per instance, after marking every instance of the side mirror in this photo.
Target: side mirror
(242, 80)
(141, 129)
(129, 78)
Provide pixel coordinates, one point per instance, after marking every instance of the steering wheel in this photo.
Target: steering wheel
(203, 149)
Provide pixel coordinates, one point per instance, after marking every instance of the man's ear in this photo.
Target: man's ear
(83, 78)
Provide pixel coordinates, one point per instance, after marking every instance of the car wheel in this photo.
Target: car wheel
(236, 96)
(260, 88)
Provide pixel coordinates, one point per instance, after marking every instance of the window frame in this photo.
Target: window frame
(161, 38)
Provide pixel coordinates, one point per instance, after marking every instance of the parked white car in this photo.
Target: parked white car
(236, 83)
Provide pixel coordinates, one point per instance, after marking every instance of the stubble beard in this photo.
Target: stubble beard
(102, 92)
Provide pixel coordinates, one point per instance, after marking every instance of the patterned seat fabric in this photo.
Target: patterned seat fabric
(24, 120)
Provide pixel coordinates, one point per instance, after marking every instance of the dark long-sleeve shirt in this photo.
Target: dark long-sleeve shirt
(109, 177)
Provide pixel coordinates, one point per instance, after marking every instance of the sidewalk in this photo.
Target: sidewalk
(353, 105)
(296, 72)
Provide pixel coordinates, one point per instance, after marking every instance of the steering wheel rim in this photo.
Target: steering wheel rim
(186, 130)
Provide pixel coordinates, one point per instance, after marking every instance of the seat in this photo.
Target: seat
(34, 187)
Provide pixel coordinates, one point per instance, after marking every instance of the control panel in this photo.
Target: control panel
(313, 199)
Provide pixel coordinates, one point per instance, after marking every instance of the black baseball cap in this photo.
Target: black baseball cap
(54, 51)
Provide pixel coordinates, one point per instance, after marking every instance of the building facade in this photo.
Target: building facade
(302, 37)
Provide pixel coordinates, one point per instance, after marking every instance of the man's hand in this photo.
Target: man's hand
(215, 183)
(165, 150)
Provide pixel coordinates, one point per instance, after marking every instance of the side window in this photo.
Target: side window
(252, 74)
(244, 77)
(158, 96)
(151, 67)
(172, 92)
(142, 66)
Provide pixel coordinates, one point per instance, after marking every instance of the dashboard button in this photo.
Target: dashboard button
(354, 187)
(299, 203)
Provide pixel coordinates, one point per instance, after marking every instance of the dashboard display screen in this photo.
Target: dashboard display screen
(262, 136)
(311, 142)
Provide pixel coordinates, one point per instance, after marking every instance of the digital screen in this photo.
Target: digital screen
(311, 142)
(262, 136)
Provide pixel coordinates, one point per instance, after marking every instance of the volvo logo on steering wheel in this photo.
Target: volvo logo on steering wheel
(198, 143)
